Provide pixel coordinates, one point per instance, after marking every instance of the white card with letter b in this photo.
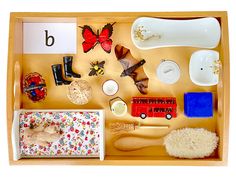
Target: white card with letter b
(49, 38)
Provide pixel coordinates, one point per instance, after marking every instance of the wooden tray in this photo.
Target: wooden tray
(20, 64)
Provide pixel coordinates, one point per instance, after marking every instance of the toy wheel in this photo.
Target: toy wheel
(168, 116)
(143, 115)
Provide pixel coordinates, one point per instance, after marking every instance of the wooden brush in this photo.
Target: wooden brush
(122, 127)
(182, 143)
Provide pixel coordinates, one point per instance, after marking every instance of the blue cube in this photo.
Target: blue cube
(198, 104)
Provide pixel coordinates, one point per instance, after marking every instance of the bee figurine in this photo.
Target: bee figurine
(97, 68)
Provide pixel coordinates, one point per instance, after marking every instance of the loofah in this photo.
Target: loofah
(79, 92)
(191, 143)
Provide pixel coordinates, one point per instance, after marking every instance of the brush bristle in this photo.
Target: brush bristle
(191, 143)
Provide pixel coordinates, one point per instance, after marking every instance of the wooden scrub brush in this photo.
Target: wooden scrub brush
(183, 143)
(122, 127)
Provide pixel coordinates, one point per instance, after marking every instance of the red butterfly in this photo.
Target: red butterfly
(91, 39)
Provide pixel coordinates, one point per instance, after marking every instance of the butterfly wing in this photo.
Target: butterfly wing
(104, 37)
(106, 45)
(90, 38)
(87, 46)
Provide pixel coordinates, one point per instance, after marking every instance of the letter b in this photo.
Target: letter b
(49, 40)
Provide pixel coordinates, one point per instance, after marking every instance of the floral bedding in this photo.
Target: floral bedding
(80, 133)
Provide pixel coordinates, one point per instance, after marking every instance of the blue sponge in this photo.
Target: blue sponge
(198, 104)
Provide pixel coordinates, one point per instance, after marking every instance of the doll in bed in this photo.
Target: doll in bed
(42, 135)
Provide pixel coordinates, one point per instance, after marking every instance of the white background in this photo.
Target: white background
(6, 6)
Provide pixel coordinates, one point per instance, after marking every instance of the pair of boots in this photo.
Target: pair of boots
(57, 71)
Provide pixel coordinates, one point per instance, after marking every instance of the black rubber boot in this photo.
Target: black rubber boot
(68, 67)
(57, 73)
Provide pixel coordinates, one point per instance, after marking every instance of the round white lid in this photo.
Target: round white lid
(168, 72)
(110, 87)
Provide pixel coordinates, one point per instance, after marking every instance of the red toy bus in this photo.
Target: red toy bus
(154, 107)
